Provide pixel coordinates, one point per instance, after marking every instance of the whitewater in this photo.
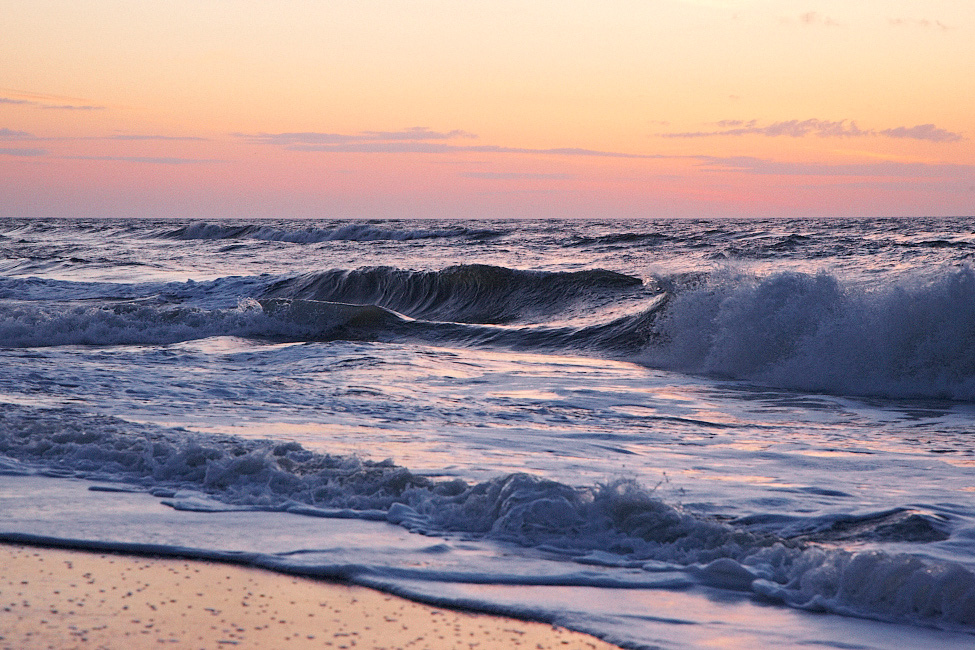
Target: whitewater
(664, 433)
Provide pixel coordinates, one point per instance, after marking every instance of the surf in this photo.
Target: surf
(914, 338)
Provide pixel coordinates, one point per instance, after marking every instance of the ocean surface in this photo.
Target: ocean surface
(666, 433)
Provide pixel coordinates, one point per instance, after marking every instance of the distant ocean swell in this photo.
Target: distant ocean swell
(347, 232)
(618, 525)
(912, 339)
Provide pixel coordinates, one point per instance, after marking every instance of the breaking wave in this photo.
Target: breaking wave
(135, 322)
(913, 339)
(619, 524)
(474, 293)
(126, 323)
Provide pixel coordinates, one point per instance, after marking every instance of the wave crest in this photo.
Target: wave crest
(471, 293)
(812, 332)
(619, 524)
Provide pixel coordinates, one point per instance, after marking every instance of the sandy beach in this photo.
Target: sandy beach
(61, 599)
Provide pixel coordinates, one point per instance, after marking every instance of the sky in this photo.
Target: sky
(204, 109)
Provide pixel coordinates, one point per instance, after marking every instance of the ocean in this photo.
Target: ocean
(665, 433)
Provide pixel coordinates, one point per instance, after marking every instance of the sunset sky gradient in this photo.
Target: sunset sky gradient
(427, 108)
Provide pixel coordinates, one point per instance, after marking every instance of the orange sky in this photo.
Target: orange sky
(415, 108)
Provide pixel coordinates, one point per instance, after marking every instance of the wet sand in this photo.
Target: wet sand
(62, 599)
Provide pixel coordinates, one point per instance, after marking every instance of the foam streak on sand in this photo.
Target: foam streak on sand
(54, 598)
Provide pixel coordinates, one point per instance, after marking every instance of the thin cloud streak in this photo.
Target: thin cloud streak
(47, 106)
(417, 133)
(69, 107)
(761, 166)
(815, 18)
(147, 160)
(181, 138)
(10, 134)
(506, 176)
(927, 132)
(923, 23)
(820, 128)
(437, 148)
(22, 152)
(412, 140)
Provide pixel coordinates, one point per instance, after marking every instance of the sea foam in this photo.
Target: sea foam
(618, 523)
(814, 332)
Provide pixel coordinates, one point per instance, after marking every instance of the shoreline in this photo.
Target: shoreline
(68, 598)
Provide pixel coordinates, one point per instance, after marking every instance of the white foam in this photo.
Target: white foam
(209, 474)
(915, 338)
(51, 324)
